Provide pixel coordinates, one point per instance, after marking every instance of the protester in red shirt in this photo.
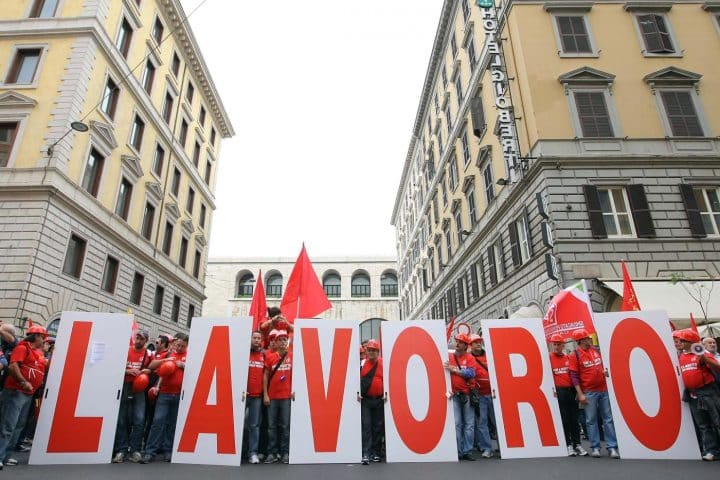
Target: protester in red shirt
(162, 431)
(254, 395)
(131, 418)
(482, 401)
(277, 392)
(701, 391)
(588, 378)
(372, 401)
(276, 321)
(462, 374)
(26, 374)
(560, 364)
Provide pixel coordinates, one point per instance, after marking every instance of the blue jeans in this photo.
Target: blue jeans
(279, 427)
(372, 416)
(483, 411)
(599, 405)
(162, 432)
(131, 420)
(252, 421)
(15, 407)
(464, 423)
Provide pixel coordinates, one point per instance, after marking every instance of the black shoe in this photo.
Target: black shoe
(365, 460)
(469, 457)
(147, 458)
(375, 458)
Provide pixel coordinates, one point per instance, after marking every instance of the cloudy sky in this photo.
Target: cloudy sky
(323, 96)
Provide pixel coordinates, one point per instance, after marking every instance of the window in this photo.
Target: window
(110, 98)
(470, 197)
(274, 286)
(74, 256)
(437, 103)
(574, 37)
(175, 67)
(208, 172)
(136, 134)
(593, 114)
(332, 285)
(201, 119)
(124, 38)
(158, 161)
(158, 300)
(458, 225)
(191, 315)
(175, 187)
(655, 33)
(370, 329)
(616, 214)
(137, 288)
(443, 74)
(190, 93)
(448, 242)
(203, 214)
(175, 314)
(93, 173)
(435, 208)
(443, 190)
(196, 264)
(458, 88)
(245, 286)
(489, 186)
(448, 120)
(167, 238)
(182, 137)
(168, 108)
(196, 155)
(388, 285)
(122, 208)
(147, 223)
(213, 136)
(148, 77)
(465, 10)
(8, 133)
(453, 45)
(110, 274)
(182, 258)
(24, 66)
(44, 9)
(496, 267)
(681, 114)
(190, 204)
(453, 172)
(465, 144)
(441, 147)
(520, 245)
(477, 115)
(472, 54)
(360, 285)
(619, 211)
(708, 203)
(158, 30)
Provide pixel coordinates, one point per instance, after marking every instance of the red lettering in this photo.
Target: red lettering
(216, 419)
(68, 433)
(420, 436)
(524, 389)
(326, 407)
(660, 432)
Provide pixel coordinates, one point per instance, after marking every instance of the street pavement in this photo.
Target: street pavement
(532, 469)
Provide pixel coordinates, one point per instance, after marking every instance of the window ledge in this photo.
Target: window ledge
(19, 86)
(665, 55)
(579, 55)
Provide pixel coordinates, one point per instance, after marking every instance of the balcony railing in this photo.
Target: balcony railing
(360, 290)
(332, 290)
(245, 291)
(388, 290)
(274, 291)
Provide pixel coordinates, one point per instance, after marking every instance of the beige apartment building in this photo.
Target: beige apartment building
(554, 139)
(110, 132)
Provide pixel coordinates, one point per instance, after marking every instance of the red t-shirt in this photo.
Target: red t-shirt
(255, 373)
(482, 376)
(694, 375)
(376, 386)
(173, 383)
(136, 360)
(161, 355)
(561, 369)
(460, 384)
(280, 385)
(32, 367)
(589, 367)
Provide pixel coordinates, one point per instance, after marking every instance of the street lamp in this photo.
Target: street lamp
(76, 126)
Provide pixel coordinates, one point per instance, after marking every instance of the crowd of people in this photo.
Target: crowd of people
(154, 375)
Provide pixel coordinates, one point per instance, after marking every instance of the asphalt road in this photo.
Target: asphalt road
(532, 469)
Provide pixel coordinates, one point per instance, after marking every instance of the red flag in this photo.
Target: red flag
(693, 325)
(568, 311)
(450, 328)
(672, 325)
(304, 295)
(258, 306)
(629, 300)
(135, 328)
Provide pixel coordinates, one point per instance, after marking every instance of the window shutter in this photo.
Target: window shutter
(491, 266)
(595, 214)
(640, 211)
(681, 114)
(593, 114)
(501, 260)
(529, 232)
(514, 244)
(481, 268)
(460, 292)
(650, 33)
(693, 211)
(477, 114)
(473, 279)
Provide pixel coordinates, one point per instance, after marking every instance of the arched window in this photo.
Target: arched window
(370, 328)
(245, 285)
(360, 285)
(332, 284)
(274, 285)
(388, 285)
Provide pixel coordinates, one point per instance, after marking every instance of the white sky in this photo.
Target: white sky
(323, 96)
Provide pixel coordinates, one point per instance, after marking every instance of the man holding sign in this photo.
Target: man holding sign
(462, 373)
(277, 392)
(372, 403)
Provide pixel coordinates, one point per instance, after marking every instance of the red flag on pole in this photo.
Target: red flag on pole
(258, 306)
(304, 295)
(629, 300)
(693, 325)
(450, 328)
